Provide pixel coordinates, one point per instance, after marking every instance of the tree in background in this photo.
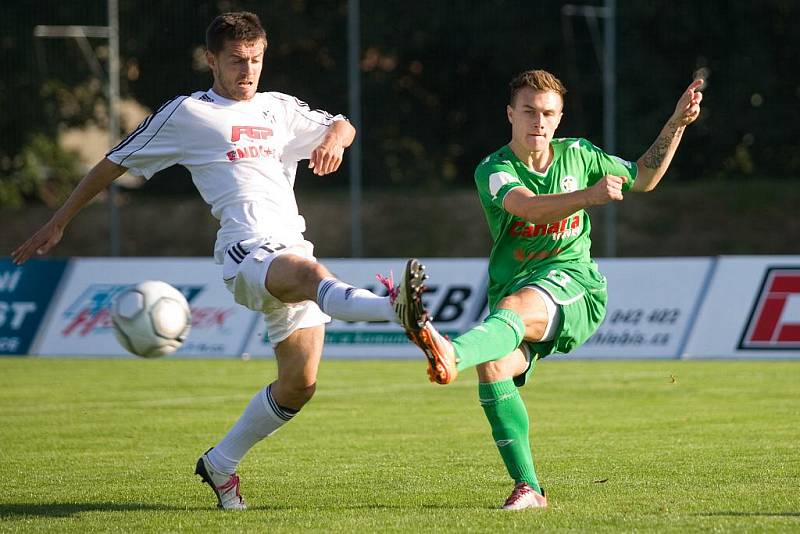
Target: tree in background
(433, 78)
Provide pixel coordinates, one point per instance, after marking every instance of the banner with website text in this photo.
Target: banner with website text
(658, 308)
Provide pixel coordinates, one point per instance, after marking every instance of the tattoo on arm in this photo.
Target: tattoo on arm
(656, 154)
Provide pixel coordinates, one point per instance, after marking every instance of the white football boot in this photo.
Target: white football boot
(226, 487)
(523, 497)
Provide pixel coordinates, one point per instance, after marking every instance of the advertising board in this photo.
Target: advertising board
(80, 322)
(25, 295)
(751, 310)
(456, 295)
(651, 305)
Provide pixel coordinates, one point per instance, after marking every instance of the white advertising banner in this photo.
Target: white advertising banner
(456, 296)
(651, 303)
(730, 307)
(751, 310)
(79, 322)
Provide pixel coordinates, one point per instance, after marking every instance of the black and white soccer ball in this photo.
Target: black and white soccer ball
(151, 319)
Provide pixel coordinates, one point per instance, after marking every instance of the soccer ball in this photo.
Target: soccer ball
(151, 319)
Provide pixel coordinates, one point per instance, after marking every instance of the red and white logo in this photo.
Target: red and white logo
(775, 318)
(252, 132)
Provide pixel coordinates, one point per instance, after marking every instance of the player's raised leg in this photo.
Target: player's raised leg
(521, 316)
(294, 278)
(298, 358)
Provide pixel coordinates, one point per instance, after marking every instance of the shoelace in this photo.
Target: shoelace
(520, 490)
(232, 482)
(388, 283)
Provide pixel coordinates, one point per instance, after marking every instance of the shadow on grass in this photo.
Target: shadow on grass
(368, 506)
(69, 509)
(751, 514)
(9, 511)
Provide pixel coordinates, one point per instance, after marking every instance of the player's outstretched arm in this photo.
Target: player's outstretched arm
(50, 234)
(327, 157)
(654, 163)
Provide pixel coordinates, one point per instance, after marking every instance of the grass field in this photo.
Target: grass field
(105, 445)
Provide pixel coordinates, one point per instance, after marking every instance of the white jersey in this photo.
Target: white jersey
(242, 156)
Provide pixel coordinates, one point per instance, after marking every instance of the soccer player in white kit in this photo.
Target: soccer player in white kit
(242, 148)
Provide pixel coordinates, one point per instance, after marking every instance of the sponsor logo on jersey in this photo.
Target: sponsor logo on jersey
(569, 184)
(90, 313)
(774, 321)
(569, 227)
(251, 151)
(205, 97)
(252, 132)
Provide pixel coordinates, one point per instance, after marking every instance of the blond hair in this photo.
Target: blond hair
(538, 80)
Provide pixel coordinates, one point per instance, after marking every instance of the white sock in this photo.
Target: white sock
(347, 303)
(262, 418)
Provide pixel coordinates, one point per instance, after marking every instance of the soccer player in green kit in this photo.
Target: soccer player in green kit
(546, 294)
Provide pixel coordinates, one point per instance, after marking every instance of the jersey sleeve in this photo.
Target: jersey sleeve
(307, 127)
(600, 164)
(154, 145)
(494, 179)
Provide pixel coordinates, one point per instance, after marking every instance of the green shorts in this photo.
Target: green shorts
(580, 292)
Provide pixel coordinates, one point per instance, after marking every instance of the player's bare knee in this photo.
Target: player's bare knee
(309, 273)
(511, 302)
(532, 310)
(294, 393)
(316, 273)
(493, 371)
(292, 278)
(302, 392)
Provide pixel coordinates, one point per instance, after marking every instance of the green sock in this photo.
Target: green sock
(508, 417)
(497, 336)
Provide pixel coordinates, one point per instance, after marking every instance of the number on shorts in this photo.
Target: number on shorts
(273, 247)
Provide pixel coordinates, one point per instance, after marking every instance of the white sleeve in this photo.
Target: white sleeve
(307, 127)
(154, 145)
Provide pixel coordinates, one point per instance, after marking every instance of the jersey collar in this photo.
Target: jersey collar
(221, 100)
(525, 165)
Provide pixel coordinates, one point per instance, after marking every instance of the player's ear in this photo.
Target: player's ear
(210, 59)
(509, 113)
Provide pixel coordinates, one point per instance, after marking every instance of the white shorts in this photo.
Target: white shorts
(245, 272)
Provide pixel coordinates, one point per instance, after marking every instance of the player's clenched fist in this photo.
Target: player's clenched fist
(607, 189)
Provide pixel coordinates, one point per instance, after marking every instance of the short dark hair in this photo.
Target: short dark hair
(538, 80)
(238, 26)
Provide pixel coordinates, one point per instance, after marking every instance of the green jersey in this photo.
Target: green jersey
(522, 248)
